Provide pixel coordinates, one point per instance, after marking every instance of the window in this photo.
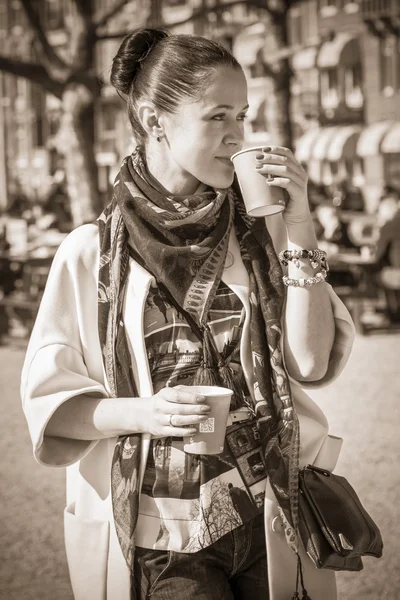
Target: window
(353, 86)
(398, 63)
(387, 60)
(38, 110)
(54, 15)
(328, 8)
(295, 27)
(15, 14)
(109, 115)
(358, 169)
(351, 6)
(3, 17)
(392, 169)
(310, 22)
(329, 88)
(334, 167)
(174, 2)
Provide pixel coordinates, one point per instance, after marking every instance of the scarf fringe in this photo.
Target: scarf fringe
(206, 376)
(229, 381)
(300, 580)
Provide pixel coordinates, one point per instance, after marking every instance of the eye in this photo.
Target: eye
(242, 117)
(219, 117)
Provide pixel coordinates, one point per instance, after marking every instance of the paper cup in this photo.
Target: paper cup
(260, 199)
(210, 437)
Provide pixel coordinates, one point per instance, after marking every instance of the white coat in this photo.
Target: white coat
(64, 360)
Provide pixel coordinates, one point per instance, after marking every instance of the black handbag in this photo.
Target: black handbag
(334, 527)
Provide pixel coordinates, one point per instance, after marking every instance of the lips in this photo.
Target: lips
(226, 160)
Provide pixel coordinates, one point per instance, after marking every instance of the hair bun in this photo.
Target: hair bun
(133, 51)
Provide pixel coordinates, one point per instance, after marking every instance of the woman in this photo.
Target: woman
(187, 289)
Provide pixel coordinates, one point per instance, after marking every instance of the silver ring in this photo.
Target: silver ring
(170, 421)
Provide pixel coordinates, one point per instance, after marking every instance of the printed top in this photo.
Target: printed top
(189, 501)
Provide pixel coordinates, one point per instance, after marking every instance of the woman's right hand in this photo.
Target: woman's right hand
(172, 405)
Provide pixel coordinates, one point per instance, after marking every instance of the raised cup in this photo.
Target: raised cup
(260, 199)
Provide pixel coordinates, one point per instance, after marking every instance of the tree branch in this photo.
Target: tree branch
(35, 24)
(84, 8)
(197, 14)
(202, 12)
(33, 72)
(101, 20)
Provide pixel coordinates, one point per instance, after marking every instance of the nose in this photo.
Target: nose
(235, 136)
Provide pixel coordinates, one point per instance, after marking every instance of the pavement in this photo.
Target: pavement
(362, 407)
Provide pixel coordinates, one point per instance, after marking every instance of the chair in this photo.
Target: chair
(361, 232)
(390, 280)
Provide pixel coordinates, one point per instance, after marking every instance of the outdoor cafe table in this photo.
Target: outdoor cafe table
(362, 269)
(21, 287)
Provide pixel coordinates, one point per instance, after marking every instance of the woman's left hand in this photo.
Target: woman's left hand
(288, 174)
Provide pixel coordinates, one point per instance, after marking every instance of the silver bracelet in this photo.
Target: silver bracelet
(316, 256)
(303, 281)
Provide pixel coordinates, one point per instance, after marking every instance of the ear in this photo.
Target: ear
(150, 120)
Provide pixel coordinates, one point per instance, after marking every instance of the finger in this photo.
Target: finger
(286, 183)
(280, 160)
(184, 397)
(281, 150)
(282, 171)
(177, 408)
(185, 420)
(179, 431)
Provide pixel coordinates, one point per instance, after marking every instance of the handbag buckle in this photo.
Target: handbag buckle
(346, 545)
(319, 470)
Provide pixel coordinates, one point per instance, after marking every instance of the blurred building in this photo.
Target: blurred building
(347, 96)
(345, 58)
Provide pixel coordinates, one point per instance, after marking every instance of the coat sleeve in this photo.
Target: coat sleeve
(63, 358)
(342, 344)
(344, 327)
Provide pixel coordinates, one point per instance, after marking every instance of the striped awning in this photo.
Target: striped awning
(369, 142)
(321, 146)
(344, 143)
(305, 143)
(391, 141)
(330, 53)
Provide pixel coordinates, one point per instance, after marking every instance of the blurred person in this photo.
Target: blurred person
(333, 234)
(143, 517)
(386, 251)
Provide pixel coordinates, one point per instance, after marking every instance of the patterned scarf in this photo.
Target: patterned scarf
(183, 242)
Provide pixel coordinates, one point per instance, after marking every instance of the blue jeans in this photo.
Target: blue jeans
(234, 567)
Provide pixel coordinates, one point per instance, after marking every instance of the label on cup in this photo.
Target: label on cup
(207, 426)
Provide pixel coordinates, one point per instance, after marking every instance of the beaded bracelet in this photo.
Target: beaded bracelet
(316, 256)
(302, 281)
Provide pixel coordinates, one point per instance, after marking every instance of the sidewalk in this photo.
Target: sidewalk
(362, 406)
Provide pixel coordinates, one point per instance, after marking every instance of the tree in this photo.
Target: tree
(74, 81)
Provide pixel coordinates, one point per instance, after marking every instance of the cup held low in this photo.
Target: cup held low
(210, 436)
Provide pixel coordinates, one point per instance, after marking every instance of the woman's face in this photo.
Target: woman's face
(203, 135)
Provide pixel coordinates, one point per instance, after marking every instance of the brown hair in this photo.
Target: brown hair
(165, 68)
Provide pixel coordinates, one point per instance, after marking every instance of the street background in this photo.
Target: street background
(362, 406)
